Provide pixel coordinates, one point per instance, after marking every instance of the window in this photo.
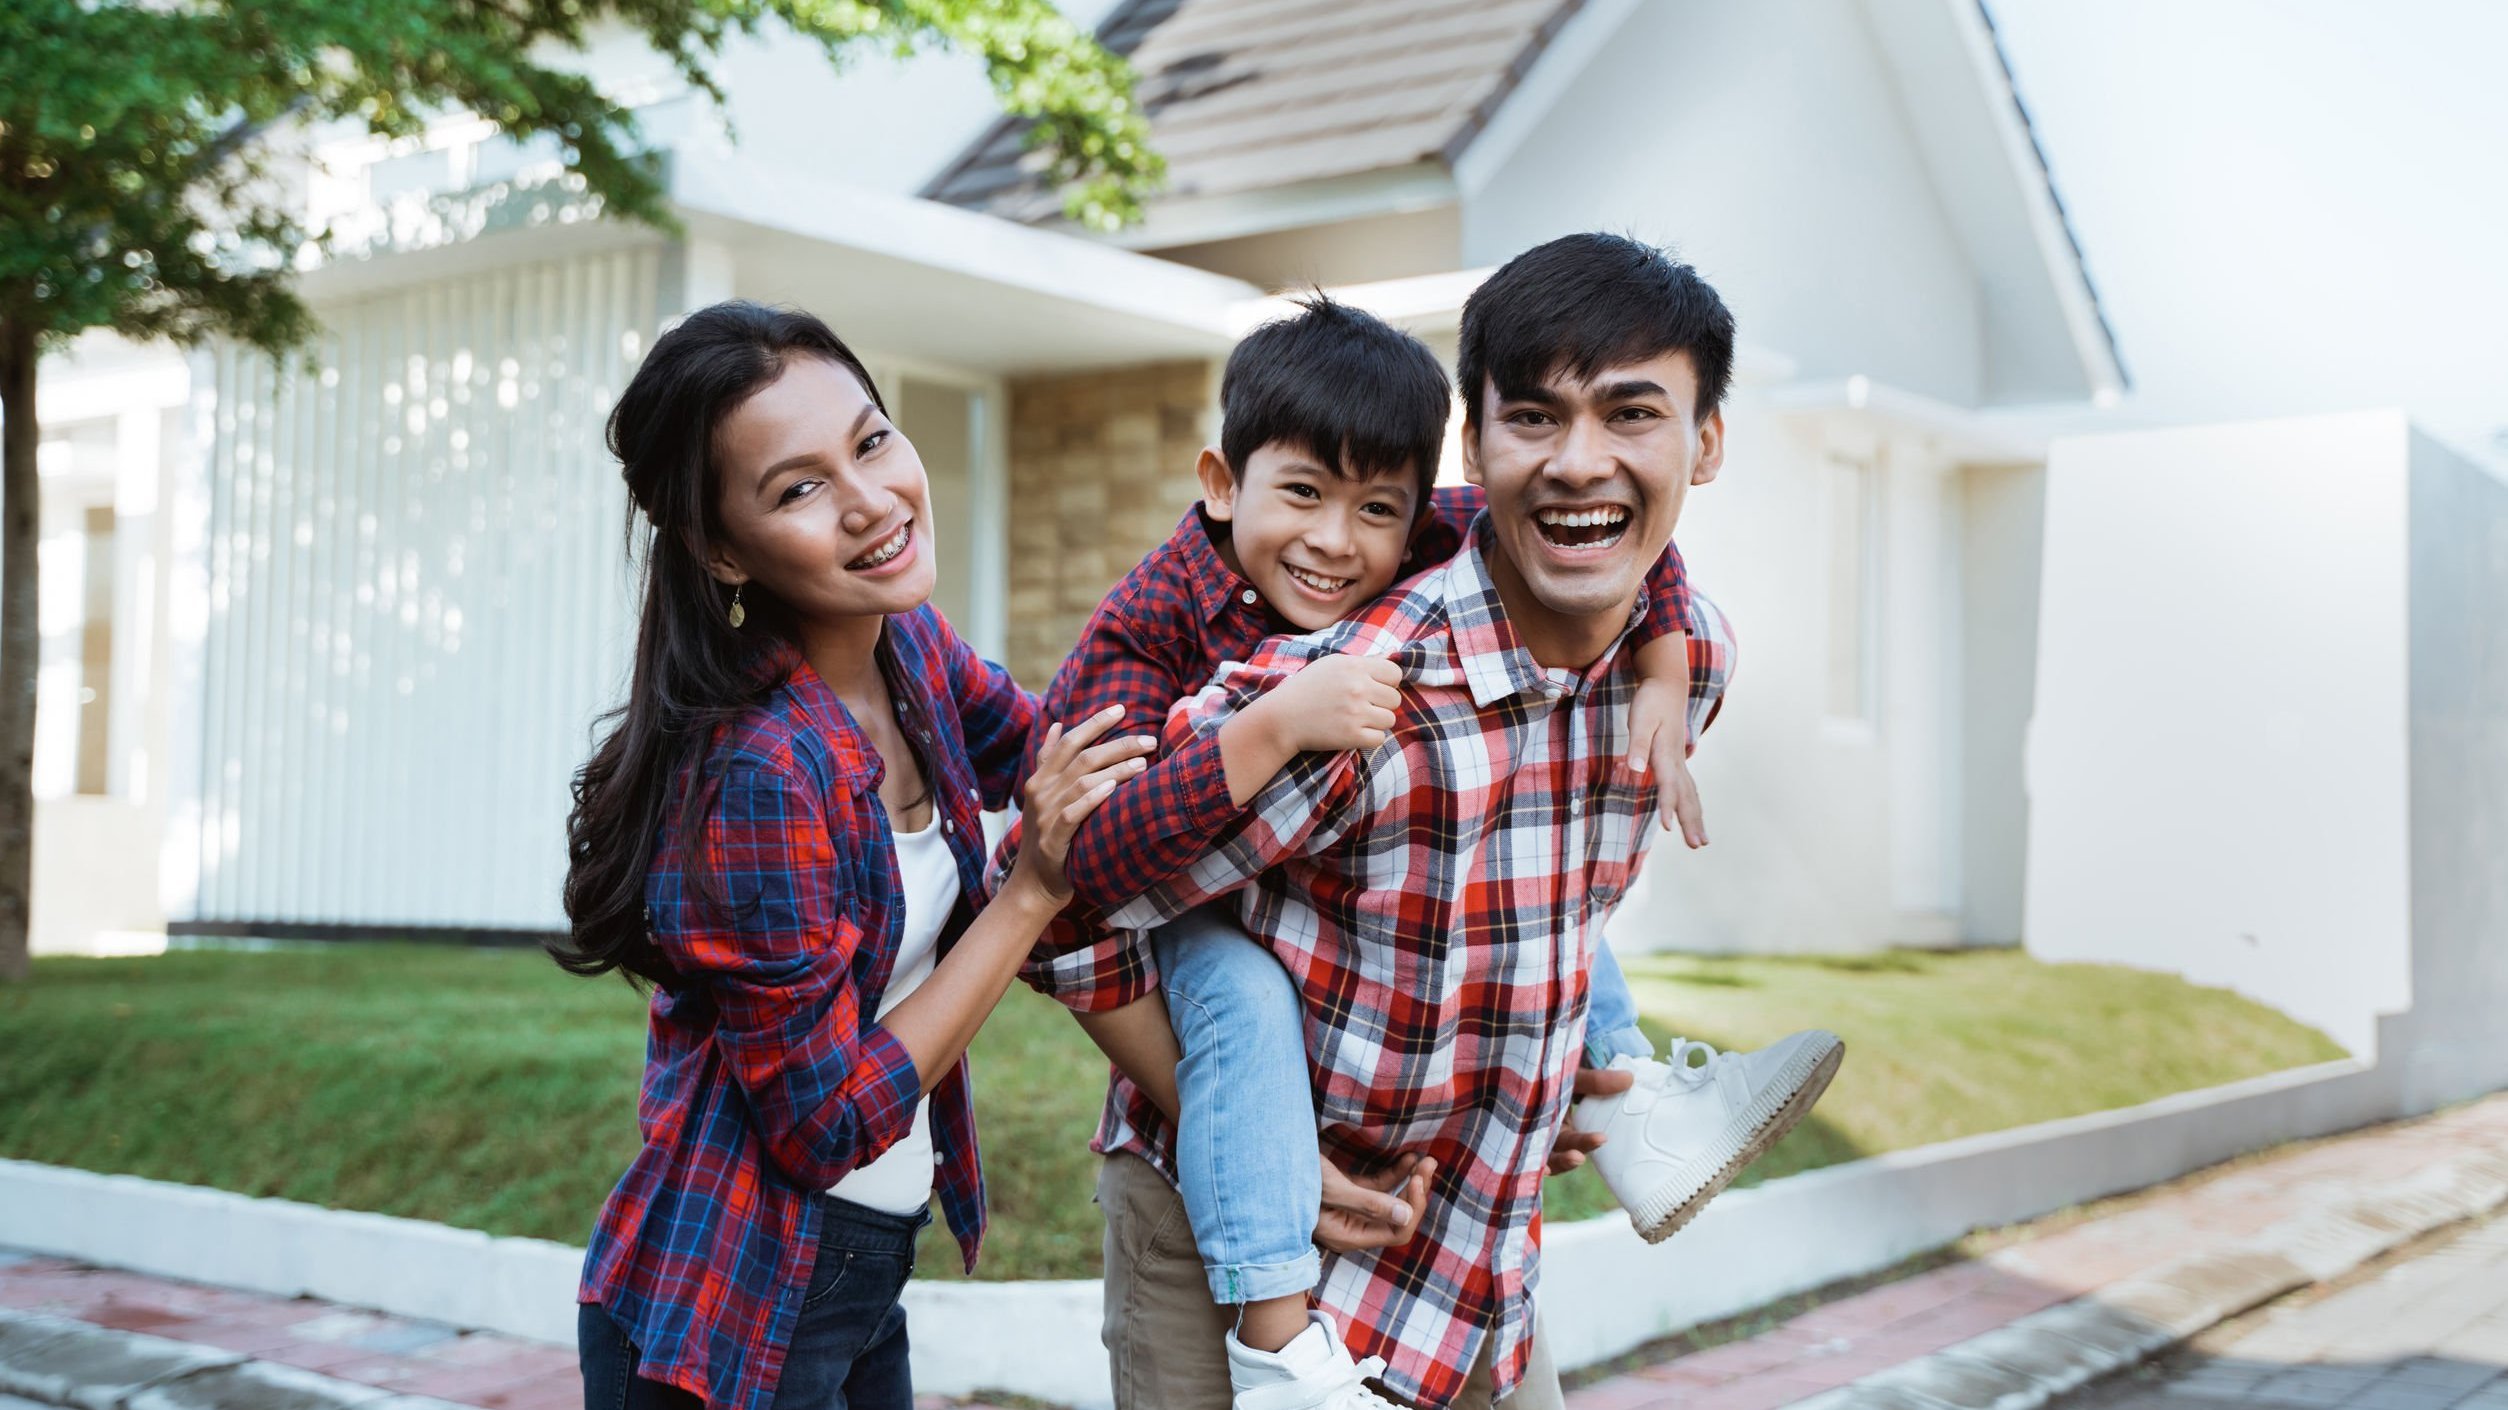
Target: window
(1854, 577)
(95, 657)
(951, 420)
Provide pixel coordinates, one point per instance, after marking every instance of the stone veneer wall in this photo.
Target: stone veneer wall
(1101, 468)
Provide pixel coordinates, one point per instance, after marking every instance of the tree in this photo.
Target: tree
(139, 141)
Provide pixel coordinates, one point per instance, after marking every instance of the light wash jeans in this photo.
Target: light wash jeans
(1246, 1159)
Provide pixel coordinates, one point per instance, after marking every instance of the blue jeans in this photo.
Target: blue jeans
(1611, 1018)
(848, 1347)
(1246, 1159)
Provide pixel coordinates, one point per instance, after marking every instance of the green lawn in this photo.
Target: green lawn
(486, 1089)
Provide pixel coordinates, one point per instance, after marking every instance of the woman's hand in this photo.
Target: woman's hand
(1073, 775)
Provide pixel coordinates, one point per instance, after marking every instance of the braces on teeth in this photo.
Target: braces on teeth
(896, 544)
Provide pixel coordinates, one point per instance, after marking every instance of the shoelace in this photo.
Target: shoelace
(1352, 1377)
(1682, 1071)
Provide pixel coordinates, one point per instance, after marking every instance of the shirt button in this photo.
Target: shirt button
(1576, 805)
(1249, 597)
(949, 825)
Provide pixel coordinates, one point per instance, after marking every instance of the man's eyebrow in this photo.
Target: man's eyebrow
(1539, 395)
(1633, 387)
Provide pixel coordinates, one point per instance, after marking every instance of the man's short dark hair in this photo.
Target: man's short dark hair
(1586, 302)
(1358, 394)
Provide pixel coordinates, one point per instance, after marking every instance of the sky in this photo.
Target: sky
(2287, 205)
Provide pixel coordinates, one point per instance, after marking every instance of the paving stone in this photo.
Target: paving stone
(1866, 1396)
(2054, 1364)
(257, 1385)
(2231, 1281)
(93, 1368)
(21, 1332)
(2459, 1376)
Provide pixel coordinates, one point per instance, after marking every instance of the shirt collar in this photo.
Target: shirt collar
(1214, 584)
(1496, 663)
(780, 665)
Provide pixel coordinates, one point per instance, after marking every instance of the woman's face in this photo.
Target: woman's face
(823, 503)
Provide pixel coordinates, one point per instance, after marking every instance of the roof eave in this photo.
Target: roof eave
(2059, 245)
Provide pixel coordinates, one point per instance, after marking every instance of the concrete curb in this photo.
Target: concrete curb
(2047, 1354)
(55, 1361)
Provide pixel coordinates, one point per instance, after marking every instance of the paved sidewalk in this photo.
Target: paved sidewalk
(2428, 1333)
(1844, 1341)
(389, 1360)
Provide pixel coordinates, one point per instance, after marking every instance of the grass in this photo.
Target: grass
(484, 1088)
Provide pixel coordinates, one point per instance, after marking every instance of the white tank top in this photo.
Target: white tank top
(900, 1181)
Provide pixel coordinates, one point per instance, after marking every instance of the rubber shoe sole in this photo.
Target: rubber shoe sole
(1669, 1208)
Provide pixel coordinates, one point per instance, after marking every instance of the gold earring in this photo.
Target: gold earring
(739, 614)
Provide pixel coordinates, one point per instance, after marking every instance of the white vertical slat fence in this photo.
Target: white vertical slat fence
(418, 602)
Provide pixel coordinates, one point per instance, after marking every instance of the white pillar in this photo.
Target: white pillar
(1919, 699)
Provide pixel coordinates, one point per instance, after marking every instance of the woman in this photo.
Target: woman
(781, 836)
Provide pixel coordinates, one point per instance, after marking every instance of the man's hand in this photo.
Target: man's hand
(1379, 1211)
(1658, 742)
(1570, 1150)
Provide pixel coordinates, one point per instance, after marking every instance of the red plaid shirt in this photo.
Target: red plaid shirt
(767, 1078)
(1436, 901)
(1158, 637)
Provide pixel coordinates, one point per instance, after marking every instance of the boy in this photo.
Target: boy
(1319, 496)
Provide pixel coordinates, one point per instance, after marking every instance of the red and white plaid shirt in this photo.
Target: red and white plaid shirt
(1436, 901)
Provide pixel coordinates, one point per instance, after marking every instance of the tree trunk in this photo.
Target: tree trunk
(21, 638)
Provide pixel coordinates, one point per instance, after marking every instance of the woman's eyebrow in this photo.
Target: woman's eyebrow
(812, 457)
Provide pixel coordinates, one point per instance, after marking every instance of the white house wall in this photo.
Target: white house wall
(2219, 778)
(415, 603)
(1767, 143)
(2459, 713)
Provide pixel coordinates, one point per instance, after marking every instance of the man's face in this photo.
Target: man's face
(1585, 482)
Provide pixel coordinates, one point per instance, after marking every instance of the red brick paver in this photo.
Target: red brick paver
(480, 1369)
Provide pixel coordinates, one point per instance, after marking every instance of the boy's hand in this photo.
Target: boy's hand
(1336, 703)
(1381, 1211)
(1658, 741)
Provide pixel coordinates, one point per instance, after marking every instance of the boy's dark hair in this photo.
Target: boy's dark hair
(1341, 384)
(1586, 302)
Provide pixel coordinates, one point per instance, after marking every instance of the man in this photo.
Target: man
(1435, 900)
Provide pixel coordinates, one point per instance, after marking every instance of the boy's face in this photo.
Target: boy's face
(1586, 479)
(1316, 544)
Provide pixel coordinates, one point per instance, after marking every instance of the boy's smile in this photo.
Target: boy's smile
(1316, 543)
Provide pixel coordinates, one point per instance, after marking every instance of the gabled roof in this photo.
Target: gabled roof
(1247, 95)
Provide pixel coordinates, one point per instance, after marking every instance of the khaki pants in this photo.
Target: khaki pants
(1165, 1338)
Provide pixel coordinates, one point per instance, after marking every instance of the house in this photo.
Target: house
(348, 623)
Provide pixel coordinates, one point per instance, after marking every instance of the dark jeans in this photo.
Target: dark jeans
(848, 1349)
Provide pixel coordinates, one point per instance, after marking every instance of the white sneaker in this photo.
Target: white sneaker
(1674, 1140)
(1313, 1372)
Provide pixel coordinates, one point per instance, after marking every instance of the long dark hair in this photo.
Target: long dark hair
(694, 672)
